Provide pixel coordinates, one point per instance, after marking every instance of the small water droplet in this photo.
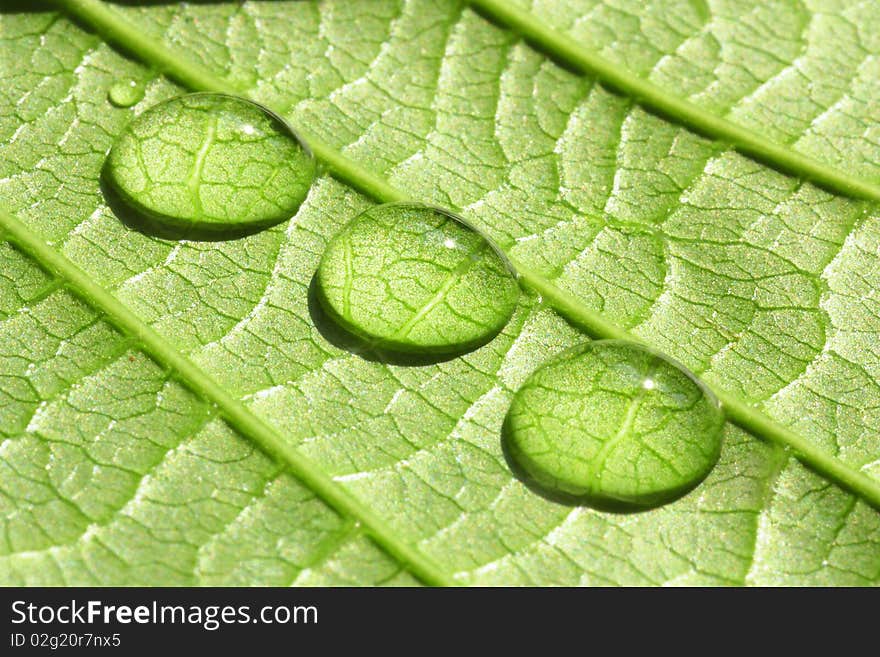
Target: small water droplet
(611, 422)
(125, 93)
(415, 279)
(207, 166)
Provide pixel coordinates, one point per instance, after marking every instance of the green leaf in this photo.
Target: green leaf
(140, 376)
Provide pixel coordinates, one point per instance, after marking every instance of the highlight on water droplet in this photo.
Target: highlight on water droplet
(613, 423)
(125, 93)
(414, 279)
(207, 166)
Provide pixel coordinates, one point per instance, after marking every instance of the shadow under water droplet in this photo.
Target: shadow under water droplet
(339, 337)
(24, 6)
(148, 226)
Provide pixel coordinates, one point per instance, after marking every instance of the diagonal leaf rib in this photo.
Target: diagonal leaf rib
(127, 37)
(565, 49)
(233, 411)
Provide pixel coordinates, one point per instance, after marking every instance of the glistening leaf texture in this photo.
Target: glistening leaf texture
(114, 471)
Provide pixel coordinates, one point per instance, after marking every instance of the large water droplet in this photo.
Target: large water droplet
(125, 93)
(414, 279)
(612, 422)
(206, 165)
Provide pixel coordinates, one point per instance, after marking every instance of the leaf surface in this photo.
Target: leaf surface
(118, 468)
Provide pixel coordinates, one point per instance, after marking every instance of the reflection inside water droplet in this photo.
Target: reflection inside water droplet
(125, 93)
(207, 166)
(612, 422)
(415, 279)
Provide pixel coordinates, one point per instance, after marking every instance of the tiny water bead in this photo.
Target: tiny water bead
(125, 93)
(209, 164)
(614, 422)
(414, 279)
